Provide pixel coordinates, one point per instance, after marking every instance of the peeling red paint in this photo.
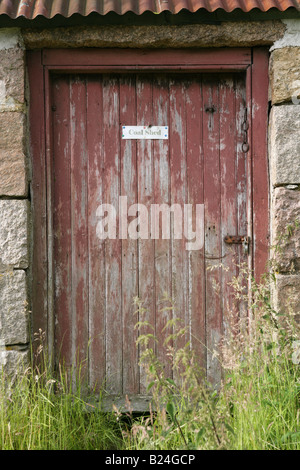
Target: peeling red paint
(201, 163)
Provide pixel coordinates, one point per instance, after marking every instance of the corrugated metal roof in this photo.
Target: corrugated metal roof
(30, 9)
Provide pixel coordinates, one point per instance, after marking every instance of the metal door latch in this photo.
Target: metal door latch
(210, 109)
(238, 240)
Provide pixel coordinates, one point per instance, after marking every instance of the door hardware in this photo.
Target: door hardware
(210, 109)
(238, 240)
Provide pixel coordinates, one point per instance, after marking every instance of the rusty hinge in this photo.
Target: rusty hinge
(238, 239)
(245, 127)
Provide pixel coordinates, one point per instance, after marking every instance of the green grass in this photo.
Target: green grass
(256, 407)
(264, 396)
(39, 412)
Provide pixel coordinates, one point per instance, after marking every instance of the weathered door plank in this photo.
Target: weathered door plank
(145, 169)
(162, 195)
(229, 179)
(62, 219)
(195, 178)
(113, 273)
(97, 266)
(212, 201)
(128, 188)
(79, 227)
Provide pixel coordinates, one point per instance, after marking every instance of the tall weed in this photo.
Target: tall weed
(257, 405)
(43, 411)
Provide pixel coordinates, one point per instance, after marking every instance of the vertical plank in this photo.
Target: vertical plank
(178, 196)
(113, 255)
(162, 189)
(79, 240)
(62, 219)
(196, 266)
(50, 240)
(249, 197)
(228, 198)
(145, 170)
(96, 246)
(128, 188)
(259, 111)
(243, 189)
(211, 129)
(38, 203)
(241, 160)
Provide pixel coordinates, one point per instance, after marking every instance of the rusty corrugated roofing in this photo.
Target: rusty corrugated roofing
(30, 9)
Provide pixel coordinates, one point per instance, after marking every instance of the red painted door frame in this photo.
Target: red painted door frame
(42, 63)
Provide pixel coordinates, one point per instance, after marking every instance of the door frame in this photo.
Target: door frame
(42, 63)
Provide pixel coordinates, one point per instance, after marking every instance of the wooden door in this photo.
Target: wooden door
(202, 163)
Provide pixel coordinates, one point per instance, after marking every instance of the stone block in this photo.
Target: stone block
(284, 145)
(12, 131)
(285, 74)
(14, 314)
(225, 34)
(291, 36)
(13, 234)
(13, 362)
(286, 299)
(11, 79)
(285, 219)
(10, 38)
(13, 175)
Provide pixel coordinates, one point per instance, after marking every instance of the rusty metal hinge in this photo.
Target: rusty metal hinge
(238, 240)
(245, 127)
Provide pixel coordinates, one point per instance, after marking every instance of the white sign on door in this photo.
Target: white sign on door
(145, 132)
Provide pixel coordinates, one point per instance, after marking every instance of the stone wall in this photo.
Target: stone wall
(284, 149)
(284, 158)
(14, 204)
